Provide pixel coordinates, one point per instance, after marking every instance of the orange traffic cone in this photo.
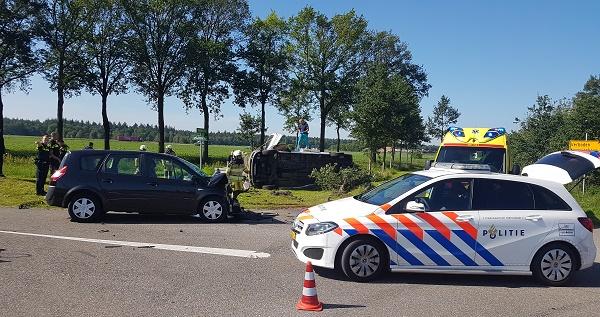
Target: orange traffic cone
(309, 300)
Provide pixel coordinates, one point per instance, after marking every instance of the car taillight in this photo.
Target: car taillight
(58, 174)
(587, 223)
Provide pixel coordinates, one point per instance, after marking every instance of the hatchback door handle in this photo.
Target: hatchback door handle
(152, 184)
(533, 217)
(465, 218)
(107, 180)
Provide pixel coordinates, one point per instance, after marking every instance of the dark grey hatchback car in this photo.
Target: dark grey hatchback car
(91, 182)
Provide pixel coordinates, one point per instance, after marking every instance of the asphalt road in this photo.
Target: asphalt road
(43, 276)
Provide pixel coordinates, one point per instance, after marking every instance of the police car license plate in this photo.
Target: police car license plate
(293, 235)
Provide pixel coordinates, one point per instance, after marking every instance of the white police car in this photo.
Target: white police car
(457, 220)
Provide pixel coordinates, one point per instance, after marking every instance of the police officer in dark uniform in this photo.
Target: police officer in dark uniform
(42, 162)
(54, 152)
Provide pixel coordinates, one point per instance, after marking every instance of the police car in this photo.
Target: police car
(457, 218)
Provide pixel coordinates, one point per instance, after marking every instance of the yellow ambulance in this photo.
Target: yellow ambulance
(476, 146)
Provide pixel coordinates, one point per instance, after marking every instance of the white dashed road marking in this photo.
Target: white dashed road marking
(171, 247)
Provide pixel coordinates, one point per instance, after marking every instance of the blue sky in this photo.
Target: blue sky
(491, 58)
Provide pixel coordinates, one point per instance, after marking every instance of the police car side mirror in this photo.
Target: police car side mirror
(413, 206)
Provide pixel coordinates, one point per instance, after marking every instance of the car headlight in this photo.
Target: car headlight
(320, 228)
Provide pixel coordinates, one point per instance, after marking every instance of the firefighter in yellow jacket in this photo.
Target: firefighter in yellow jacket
(236, 173)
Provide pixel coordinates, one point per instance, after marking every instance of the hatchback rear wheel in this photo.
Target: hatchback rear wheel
(554, 265)
(84, 208)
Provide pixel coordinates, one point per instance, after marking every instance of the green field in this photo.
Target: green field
(18, 186)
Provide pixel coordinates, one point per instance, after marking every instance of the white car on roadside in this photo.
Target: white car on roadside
(457, 218)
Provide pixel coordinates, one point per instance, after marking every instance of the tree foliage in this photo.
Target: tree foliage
(585, 117)
(249, 126)
(18, 60)
(443, 116)
(106, 52)
(267, 59)
(543, 131)
(63, 25)
(210, 62)
(157, 49)
(327, 54)
(384, 102)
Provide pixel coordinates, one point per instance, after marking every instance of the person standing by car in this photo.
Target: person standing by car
(54, 152)
(169, 150)
(42, 163)
(64, 149)
(236, 173)
(90, 146)
(302, 135)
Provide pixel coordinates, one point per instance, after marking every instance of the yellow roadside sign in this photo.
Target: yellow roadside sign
(583, 145)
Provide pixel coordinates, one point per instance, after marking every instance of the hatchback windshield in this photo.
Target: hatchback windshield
(193, 167)
(384, 193)
(494, 157)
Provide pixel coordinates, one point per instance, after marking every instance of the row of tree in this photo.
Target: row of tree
(550, 124)
(147, 132)
(206, 51)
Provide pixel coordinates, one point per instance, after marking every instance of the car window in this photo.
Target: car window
(123, 165)
(393, 189)
(575, 165)
(90, 162)
(164, 168)
(445, 195)
(495, 194)
(493, 157)
(544, 199)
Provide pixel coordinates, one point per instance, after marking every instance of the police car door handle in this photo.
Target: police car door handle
(465, 218)
(533, 217)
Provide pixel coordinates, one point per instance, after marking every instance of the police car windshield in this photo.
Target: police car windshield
(494, 157)
(385, 192)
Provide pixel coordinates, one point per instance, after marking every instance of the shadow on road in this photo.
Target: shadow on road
(336, 306)
(7, 255)
(586, 278)
(248, 217)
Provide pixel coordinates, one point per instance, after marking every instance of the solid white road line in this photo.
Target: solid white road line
(171, 247)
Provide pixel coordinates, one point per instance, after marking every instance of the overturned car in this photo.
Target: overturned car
(277, 167)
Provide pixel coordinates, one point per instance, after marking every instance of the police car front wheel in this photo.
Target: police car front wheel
(554, 265)
(364, 260)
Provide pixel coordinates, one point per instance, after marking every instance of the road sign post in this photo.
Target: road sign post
(200, 138)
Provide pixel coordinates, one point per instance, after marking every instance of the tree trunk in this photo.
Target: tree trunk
(105, 123)
(59, 111)
(60, 91)
(161, 122)
(400, 155)
(338, 138)
(383, 158)
(206, 123)
(2, 149)
(323, 122)
(371, 161)
(393, 153)
(262, 124)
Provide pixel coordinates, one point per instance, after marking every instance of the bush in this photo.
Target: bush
(331, 177)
